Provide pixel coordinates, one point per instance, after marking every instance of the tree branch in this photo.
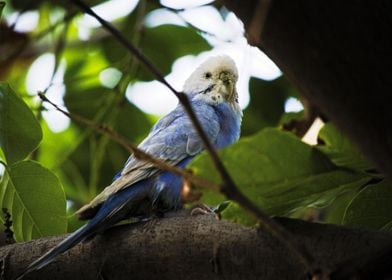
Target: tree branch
(193, 248)
(228, 188)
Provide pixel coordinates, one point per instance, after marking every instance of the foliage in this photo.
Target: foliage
(17, 122)
(32, 194)
(371, 207)
(267, 106)
(279, 172)
(35, 199)
(2, 5)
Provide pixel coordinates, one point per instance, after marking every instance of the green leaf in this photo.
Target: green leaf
(35, 198)
(221, 207)
(236, 214)
(290, 117)
(84, 64)
(371, 207)
(2, 5)
(20, 132)
(280, 173)
(341, 150)
(88, 102)
(334, 213)
(266, 106)
(173, 42)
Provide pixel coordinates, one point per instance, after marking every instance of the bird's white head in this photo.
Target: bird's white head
(214, 81)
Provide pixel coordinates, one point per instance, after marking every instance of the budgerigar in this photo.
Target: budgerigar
(141, 188)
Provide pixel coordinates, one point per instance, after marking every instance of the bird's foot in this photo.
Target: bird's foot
(203, 209)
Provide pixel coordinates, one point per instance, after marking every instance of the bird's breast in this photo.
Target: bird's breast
(230, 125)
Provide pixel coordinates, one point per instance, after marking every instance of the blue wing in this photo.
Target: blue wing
(172, 139)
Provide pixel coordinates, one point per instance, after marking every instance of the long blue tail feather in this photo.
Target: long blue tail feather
(69, 242)
(113, 210)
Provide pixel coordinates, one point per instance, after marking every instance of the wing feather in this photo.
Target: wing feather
(172, 139)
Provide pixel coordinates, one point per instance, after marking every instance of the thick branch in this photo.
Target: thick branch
(192, 248)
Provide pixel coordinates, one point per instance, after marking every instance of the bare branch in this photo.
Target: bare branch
(229, 188)
(217, 250)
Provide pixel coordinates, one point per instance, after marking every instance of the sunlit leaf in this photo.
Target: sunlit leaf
(20, 132)
(371, 207)
(35, 198)
(280, 173)
(84, 63)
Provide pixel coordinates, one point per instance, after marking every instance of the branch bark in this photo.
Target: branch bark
(185, 247)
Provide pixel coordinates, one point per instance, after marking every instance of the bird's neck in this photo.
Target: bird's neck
(230, 116)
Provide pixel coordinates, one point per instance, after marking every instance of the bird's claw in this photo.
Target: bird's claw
(203, 209)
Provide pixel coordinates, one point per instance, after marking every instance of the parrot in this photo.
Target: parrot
(140, 188)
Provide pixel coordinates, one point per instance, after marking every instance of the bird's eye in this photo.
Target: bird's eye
(207, 75)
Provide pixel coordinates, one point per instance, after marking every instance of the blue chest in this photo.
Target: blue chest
(230, 125)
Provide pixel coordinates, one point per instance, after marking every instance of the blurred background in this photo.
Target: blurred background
(50, 47)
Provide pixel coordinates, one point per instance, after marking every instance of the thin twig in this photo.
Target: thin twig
(138, 153)
(228, 188)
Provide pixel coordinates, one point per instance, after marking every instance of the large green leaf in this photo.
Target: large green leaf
(340, 150)
(35, 198)
(371, 207)
(20, 132)
(280, 173)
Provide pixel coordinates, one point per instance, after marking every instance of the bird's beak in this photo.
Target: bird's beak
(228, 80)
